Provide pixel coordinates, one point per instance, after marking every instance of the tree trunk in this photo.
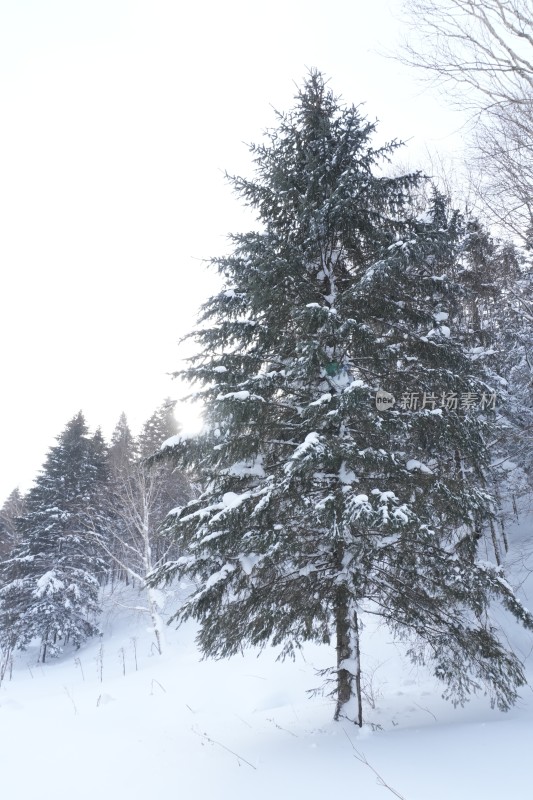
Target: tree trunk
(357, 659)
(504, 534)
(495, 545)
(349, 702)
(147, 534)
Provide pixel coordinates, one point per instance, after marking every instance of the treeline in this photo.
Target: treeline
(93, 516)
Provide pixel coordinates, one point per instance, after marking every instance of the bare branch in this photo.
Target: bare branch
(480, 54)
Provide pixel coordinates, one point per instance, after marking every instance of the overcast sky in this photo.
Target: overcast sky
(119, 118)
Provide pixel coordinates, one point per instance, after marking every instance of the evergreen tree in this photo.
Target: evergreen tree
(12, 509)
(496, 320)
(162, 425)
(175, 486)
(50, 584)
(123, 450)
(318, 506)
(515, 351)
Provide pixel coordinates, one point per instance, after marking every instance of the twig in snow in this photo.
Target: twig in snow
(122, 655)
(100, 662)
(77, 662)
(241, 719)
(6, 660)
(363, 759)
(160, 686)
(134, 642)
(71, 700)
(233, 753)
(426, 709)
(273, 721)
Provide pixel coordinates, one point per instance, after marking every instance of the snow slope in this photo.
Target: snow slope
(116, 720)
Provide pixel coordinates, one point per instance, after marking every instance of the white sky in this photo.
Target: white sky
(118, 120)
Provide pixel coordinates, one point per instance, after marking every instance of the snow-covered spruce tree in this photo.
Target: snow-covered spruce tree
(495, 320)
(159, 427)
(49, 586)
(123, 450)
(319, 507)
(9, 513)
(489, 273)
(515, 351)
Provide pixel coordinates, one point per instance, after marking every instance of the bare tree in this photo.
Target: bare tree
(136, 544)
(480, 52)
(139, 496)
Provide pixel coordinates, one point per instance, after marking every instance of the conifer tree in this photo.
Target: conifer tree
(319, 506)
(123, 449)
(49, 587)
(159, 427)
(174, 485)
(496, 321)
(515, 355)
(9, 513)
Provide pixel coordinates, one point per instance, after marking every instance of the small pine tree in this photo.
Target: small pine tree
(318, 506)
(50, 584)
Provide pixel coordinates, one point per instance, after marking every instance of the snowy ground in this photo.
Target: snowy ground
(173, 725)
